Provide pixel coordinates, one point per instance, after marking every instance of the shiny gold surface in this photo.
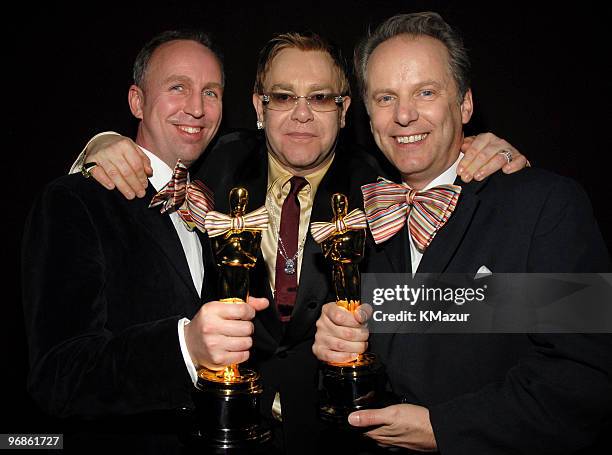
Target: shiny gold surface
(229, 375)
(345, 250)
(362, 360)
(351, 305)
(235, 254)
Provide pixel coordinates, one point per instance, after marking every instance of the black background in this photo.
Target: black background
(540, 80)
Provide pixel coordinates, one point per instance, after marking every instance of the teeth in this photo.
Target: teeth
(190, 129)
(411, 139)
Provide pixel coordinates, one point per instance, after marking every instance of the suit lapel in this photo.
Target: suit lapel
(437, 256)
(448, 239)
(397, 251)
(164, 234)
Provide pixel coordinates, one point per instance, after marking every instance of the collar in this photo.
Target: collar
(161, 172)
(447, 177)
(278, 177)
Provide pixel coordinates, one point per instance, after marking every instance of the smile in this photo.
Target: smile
(301, 135)
(190, 129)
(411, 139)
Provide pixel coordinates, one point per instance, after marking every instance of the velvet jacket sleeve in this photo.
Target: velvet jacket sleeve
(94, 349)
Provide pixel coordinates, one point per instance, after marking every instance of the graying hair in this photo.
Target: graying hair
(416, 24)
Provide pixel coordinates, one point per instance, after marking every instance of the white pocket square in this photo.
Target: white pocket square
(483, 271)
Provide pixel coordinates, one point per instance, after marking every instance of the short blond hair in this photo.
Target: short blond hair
(303, 42)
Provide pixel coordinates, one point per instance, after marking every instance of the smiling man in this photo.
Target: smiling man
(179, 107)
(301, 97)
(109, 284)
(416, 109)
(475, 393)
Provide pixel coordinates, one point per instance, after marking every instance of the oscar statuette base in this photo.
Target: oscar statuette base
(227, 412)
(349, 387)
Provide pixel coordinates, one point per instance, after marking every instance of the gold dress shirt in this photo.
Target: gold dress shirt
(278, 189)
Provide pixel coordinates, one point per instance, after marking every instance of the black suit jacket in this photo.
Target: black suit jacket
(105, 282)
(490, 394)
(283, 353)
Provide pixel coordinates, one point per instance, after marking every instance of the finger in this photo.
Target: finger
(126, 163)
(363, 313)
(237, 344)
(136, 174)
(147, 164)
(368, 418)
(467, 141)
(499, 161)
(340, 316)
(468, 154)
(258, 303)
(518, 163)
(326, 355)
(143, 168)
(220, 361)
(325, 327)
(342, 345)
(496, 163)
(479, 153)
(117, 178)
(233, 358)
(234, 311)
(100, 176)
(231, 328)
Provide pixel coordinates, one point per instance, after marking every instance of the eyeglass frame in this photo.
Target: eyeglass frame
(265, 99)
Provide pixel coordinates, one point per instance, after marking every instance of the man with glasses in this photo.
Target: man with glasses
(301, 97)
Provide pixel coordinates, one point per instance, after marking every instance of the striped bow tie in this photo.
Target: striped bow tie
(219, 223)
(192, 199)
(388, 204)
(354, 221)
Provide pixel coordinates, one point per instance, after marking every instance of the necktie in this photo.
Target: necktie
(388, 204)
(192, 199)
(287, 251)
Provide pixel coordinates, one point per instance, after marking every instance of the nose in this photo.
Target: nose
(302, 111)
(194, 105)
(406, 112)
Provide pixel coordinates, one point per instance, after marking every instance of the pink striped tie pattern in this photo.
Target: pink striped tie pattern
(388, 205)
(193, 200)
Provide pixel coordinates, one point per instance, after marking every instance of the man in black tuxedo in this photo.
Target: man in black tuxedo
(293, 168)
(514, 393)
(110, 285)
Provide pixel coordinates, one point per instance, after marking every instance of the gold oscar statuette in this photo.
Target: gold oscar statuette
(227, 401)
(353, 385)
